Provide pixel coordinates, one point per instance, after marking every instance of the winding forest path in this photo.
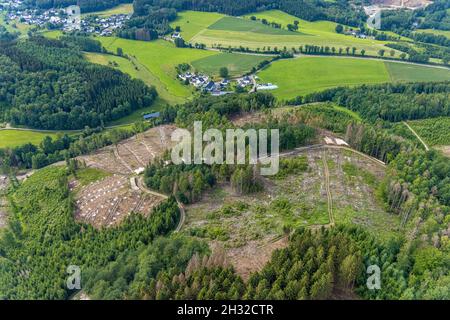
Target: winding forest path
(417, 136)
(327, 186)
(141, 185)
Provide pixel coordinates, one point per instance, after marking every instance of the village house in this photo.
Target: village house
(245, 81)
(60, 19)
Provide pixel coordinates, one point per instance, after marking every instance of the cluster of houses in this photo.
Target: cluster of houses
(104, 26)
(67, 19)
(205, 83)
(14, 12)
(357, 34)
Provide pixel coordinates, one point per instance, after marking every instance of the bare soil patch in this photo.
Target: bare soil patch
(253, 256)
(109, 201)
(133, 153)
(249, 228)
(445, 150)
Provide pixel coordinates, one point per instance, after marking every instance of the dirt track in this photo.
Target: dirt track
(109, 201)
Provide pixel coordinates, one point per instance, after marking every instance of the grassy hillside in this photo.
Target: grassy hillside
(160, 59)
(237, 64)
(310, 74)
(445, 33)
(136, 70)
(407, 72)
(192, 22)
(246, 25)
(305, 75)
(237, 32)
(124, 8)
(13, 138)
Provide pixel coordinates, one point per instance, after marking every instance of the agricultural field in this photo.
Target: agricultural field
(12, 137)
(310, 74)
(241, 224)
(434, 131)
(237, 64)
(192, 22)
(124, 8)
(445, 33)
(408, 72)
(53, 34)
(246, 25)
(159, 58)
(235, 32)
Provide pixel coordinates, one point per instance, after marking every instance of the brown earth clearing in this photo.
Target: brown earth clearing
(250, 227)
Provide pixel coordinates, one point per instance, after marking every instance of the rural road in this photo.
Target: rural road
(418, 137)
(318, 146)
(141, 185)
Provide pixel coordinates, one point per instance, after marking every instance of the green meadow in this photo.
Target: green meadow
(235, 32)
(13, 137)
(237, 64)
(247, 25)
(192, 22)
(135, 69)
(408, 72)
(159, 58)
(311, 74)
(445, 33)
(124, 8)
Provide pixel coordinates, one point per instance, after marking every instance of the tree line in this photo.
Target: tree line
(390, 102)
(322, 264)
(63, 147)
(152, 17)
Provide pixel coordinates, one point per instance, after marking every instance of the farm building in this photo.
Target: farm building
(266, 86)
(151, 115)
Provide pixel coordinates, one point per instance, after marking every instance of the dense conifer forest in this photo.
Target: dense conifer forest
(47, 84)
